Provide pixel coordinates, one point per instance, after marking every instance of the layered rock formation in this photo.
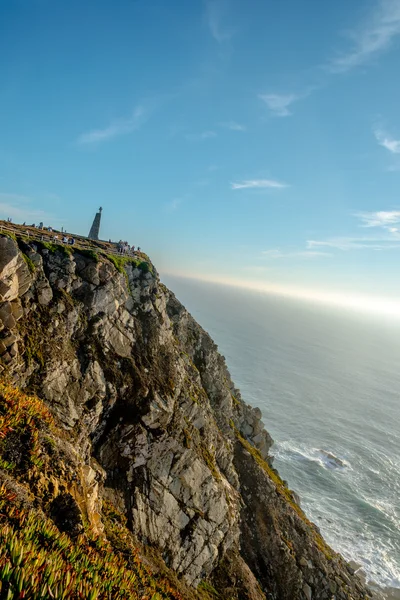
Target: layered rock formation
(154, 426)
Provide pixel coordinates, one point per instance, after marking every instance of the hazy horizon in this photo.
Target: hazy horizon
(385, 307)
(233, 140)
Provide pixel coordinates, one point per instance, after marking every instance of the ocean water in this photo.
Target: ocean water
(328, 384)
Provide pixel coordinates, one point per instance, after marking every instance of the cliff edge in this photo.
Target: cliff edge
(142, 441)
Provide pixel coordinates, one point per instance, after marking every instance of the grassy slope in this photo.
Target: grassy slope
(37, 560)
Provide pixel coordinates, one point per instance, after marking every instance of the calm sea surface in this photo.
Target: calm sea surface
(328, 384)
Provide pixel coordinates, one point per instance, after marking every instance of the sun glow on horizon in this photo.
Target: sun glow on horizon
(378, 305)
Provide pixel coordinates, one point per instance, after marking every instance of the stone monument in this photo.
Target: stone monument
(95, 228)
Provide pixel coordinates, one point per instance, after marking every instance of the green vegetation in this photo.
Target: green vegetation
(9, 234)
(29, 263)
(120, 261)
(235, 400)
(207, 590)
(144, 266)
(194, 399)
(34, 345)
(37, 561)
(21, 419)
(89, 253)
(53, 248)
(209, 459)
(113, 514)
(66, 297)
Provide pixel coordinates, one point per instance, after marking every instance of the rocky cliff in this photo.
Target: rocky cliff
(148, 422)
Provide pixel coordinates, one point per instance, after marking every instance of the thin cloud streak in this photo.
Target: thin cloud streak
(383, 218)
(387, 141)
(279, 104)
(115, 129)
(302, 254)
(257, 184)
(233, 126)
(374, 36)
(371, 38)
(353, 243)
(215, 11)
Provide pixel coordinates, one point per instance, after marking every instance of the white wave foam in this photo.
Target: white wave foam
(352, 532)
(386, 508)
(376, 557)
(287, 451)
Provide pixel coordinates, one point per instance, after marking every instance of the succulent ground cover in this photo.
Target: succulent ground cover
(37, 560)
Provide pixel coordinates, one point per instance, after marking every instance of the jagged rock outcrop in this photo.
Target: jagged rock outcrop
(148, 405)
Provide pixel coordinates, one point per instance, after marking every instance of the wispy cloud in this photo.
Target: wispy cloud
(279, 104)
(201, 137)
(233, 126)
(116, 128)
(301, 254)
(215, 14)
(385, 219)
(387, 223)
(375, 35)
(354, 243)
(258, 184)
(387, 141)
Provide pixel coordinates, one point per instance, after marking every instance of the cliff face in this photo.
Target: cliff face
(152, 425)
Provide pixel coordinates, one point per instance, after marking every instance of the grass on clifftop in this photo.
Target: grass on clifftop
(119, 263)
(89, 252)
(53, 247)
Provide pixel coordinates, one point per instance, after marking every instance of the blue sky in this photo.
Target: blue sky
(256, 142)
